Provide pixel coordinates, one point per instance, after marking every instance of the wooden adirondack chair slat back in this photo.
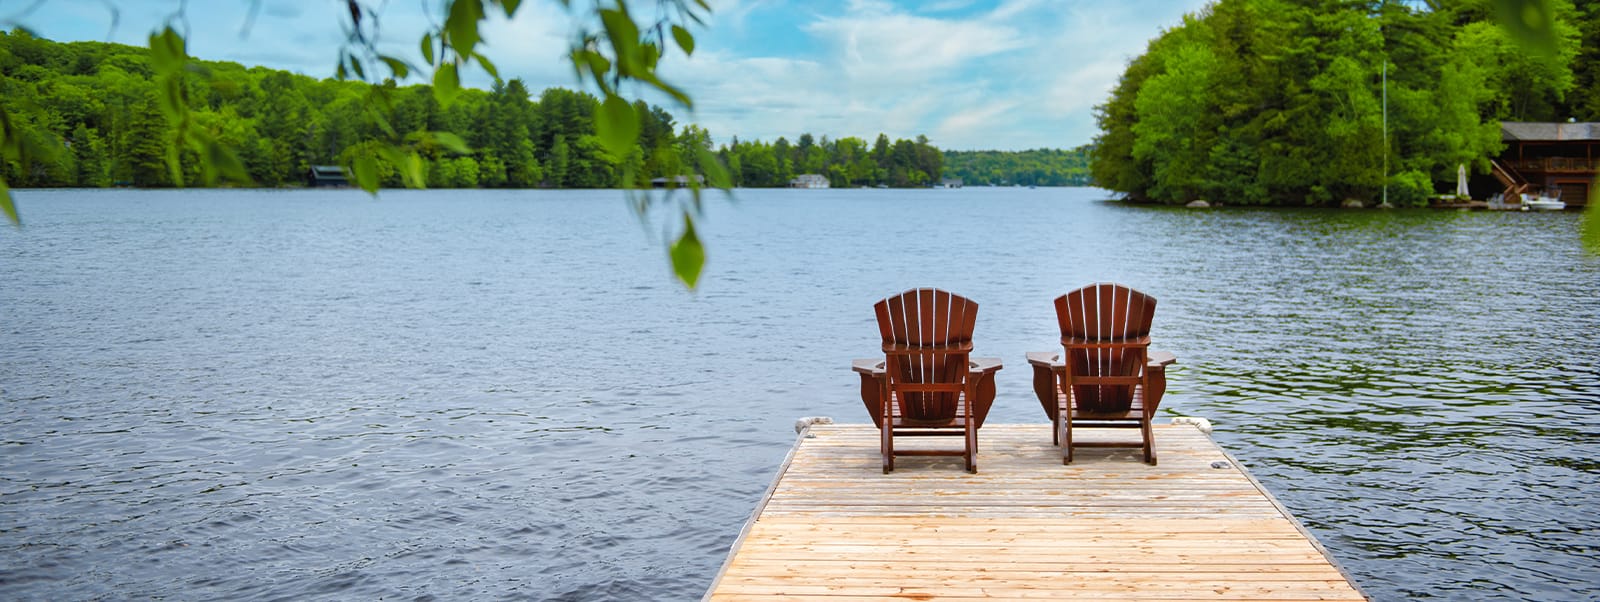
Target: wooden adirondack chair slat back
(1105, 331)
(927, 336)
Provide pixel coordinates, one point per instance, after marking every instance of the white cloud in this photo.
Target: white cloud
(879, 48)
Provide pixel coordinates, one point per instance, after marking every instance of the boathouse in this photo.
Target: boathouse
(809, 180)
(1546, 157)
(680, 181)
(326, 175)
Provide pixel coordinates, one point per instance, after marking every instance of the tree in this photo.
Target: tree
(1278, 101)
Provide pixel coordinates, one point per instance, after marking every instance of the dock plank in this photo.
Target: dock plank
(1195, 527)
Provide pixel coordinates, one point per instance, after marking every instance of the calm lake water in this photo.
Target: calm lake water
(467, 395)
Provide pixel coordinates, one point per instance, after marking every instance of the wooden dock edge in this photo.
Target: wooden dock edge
(1294, 520)
(761, 506)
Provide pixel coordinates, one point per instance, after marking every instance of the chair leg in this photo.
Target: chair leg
(1149, 441)
(886, 447)
(886, 433)
(972, 449)
(971, 427)
(1055, 429)
(1066, 439)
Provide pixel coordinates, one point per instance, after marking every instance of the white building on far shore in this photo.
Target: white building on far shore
(809, 180)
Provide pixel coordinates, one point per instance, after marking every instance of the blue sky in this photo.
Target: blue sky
(969, 74)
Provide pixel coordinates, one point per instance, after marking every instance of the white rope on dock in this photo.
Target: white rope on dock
(1198, 422)
(802, 424)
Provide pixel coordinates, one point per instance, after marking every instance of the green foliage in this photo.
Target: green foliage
(1281, 101)
(845, 162)
(114, 124)
(687, 254)
(1041, 167)
(1410, 189)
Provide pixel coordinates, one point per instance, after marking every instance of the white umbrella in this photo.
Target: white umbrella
(1461, 181)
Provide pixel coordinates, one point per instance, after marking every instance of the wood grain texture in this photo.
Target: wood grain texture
(1025, 528)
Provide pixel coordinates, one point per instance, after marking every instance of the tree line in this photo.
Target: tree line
(1039, 167)
(1281, 101)
(101, 104)
(95, 109)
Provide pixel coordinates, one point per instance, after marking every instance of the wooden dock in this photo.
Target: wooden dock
(1195, 527)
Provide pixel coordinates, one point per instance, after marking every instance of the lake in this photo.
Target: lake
(504, 394)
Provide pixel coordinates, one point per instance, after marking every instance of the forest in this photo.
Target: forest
(1282, 101)
(95, 111)
(1040, 167)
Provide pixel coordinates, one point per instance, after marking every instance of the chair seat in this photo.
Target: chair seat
(1135, 410)
(949, 426)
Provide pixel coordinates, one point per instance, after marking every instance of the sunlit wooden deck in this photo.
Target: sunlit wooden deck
(1025, 527)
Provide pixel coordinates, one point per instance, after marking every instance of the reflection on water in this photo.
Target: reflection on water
(460, 394)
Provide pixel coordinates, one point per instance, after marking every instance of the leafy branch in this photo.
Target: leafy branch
(623, 52)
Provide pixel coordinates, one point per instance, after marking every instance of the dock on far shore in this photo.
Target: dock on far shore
(1195, 527)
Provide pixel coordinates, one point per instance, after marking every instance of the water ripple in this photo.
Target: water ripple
(449, 395)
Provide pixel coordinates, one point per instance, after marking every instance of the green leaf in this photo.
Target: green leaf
(649, 55)
(427, 47)
(597, 63)
(167, 50)
(487, 66)
(617, 125)
(171, 99)
(684, 38)
(668, 89)
(511, 7)
(624, 36)
(225, 163)
(446, 83)
(396, 66)
(174, 167)
(452, 142)
(411, 170)
(716, 174)
(462, 25)
(365, 171)
(1531, 23)
(8, 205)
(688, 255)
(355, 66)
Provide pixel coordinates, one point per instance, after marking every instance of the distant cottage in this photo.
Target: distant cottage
(326, 175)
(1549, 157)
(951, 183)
(677, 182)
(809, 180)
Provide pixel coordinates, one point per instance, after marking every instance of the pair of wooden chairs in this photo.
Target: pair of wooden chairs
(929, 385)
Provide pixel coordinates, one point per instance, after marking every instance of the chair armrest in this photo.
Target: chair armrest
(1047, 365)
(1161, 358)
(872, 367)
(984, 365)
(1046, 359)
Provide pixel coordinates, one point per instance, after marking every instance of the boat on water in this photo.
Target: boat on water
(1542, 202)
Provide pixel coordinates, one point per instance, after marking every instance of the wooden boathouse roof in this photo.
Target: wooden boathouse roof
(1549, 132)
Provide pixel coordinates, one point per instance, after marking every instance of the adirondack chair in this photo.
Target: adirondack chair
(1106, 376)
(927, 384)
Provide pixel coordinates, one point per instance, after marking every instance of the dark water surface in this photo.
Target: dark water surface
(466, 395)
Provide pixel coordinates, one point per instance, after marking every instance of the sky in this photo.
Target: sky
(968, 74)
